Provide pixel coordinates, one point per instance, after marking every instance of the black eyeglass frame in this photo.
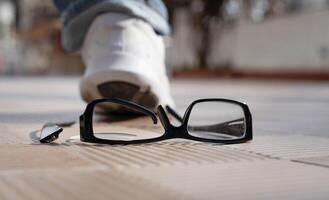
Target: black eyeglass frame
(171, 131)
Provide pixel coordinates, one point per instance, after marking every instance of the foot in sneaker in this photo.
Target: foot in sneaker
(125, 58)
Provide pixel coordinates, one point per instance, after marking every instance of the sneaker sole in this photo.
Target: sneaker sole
(121, 84)
(130, 92)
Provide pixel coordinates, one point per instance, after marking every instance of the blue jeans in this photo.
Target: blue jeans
(77, 15)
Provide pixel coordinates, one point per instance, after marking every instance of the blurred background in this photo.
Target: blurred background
(229, 38)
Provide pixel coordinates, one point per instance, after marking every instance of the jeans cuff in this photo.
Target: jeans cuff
(78, 19)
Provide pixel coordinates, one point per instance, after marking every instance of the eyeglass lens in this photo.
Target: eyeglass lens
(217, 121)
(123, 126)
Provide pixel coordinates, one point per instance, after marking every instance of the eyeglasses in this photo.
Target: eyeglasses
(205, 120)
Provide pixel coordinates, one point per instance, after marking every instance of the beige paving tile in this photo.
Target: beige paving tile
(83, 184)
(171, 153)
(288, 158)
(249, 180)
(26, 157)
(317, 161)
(288, 146)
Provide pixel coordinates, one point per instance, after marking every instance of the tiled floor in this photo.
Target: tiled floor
(288, 158)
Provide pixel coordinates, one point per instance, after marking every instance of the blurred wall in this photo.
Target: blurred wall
(40, 35)
(286, 42)
(298, 42)
(291, 42)
(32, 44)
(183, 45)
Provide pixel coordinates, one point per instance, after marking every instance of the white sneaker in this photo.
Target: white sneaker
(125, 58)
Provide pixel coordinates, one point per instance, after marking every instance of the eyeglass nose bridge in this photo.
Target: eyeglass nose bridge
(171, 131)
(164, 118)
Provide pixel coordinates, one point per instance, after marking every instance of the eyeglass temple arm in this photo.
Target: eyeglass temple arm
(174, 114)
